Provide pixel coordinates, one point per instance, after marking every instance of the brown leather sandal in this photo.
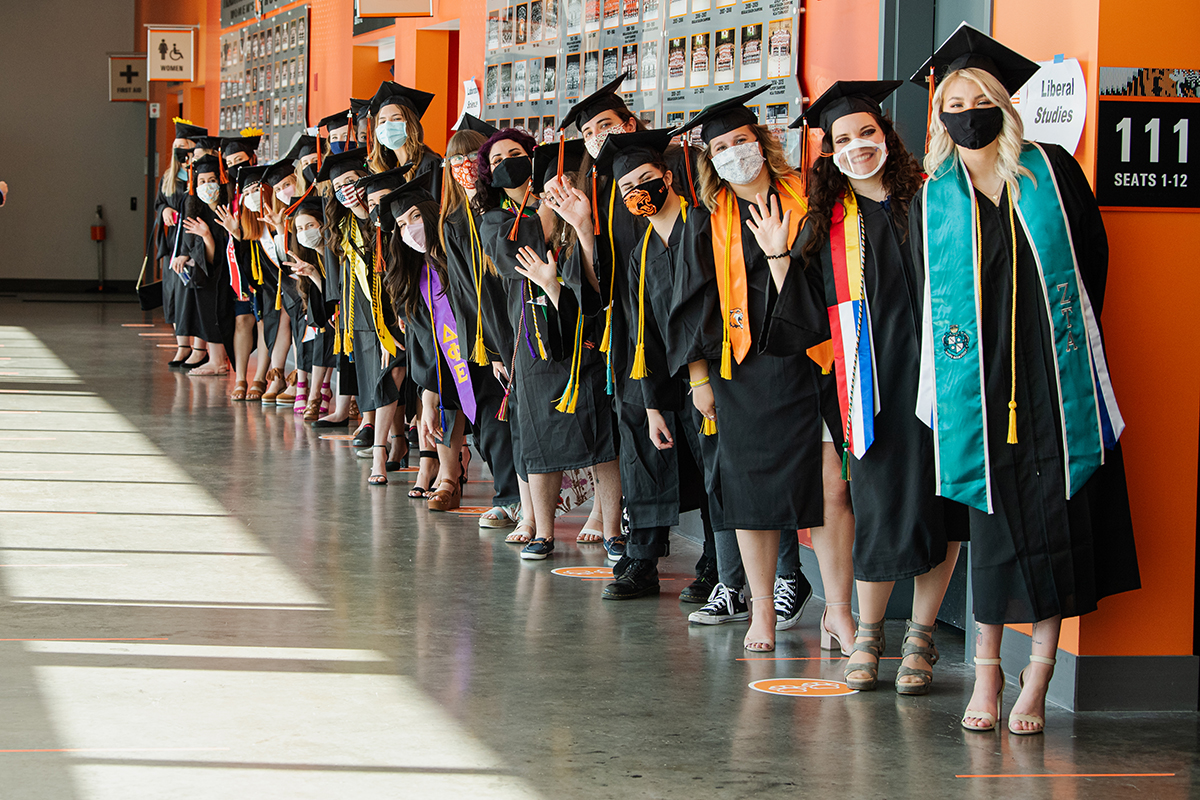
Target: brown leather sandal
(273, 374)
(446, 500)
(255, 392)
(354, 413)
(288, 396)
(312, 412)
(239, 392)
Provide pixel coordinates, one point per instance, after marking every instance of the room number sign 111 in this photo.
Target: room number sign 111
(1143, 154)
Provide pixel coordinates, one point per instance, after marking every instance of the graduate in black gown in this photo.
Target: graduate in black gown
(305, 246)
(857, 240)
(172, 192)
(477, 296)
(563, 416)
(206, 307)
(282, 188)
(416, 282)
(773, 470)
(1014, 379)
(395, 136)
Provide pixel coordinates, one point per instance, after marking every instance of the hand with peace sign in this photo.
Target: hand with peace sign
(303, 269)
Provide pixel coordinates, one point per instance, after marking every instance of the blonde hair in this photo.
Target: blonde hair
(170, 182)
(411, 151)
(1012, 134)
(777, 167)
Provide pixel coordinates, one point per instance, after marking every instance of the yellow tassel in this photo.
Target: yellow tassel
(1012, 422)
(541, 349)
(347, 347)
(726, 359)
(604, 340)
(639, 363)
(479, 352)
(708, 427)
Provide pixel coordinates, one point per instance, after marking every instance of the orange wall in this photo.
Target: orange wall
(1163, 424)
(841, 42)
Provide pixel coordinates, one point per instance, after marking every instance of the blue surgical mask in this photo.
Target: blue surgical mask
(181, 174)
(392, 135)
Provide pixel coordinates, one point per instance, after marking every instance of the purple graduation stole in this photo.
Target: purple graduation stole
(445, 334)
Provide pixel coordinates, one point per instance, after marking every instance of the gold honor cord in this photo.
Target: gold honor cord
(1012, 227)
(478, 352)
(606, 339)
(639, 352)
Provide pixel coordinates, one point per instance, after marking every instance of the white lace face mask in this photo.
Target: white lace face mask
(854, 152)
(739, 164)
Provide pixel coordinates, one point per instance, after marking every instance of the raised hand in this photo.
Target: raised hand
(571, 204)
(229, 222)
(542, 272)
(770, 228)
(197, 227)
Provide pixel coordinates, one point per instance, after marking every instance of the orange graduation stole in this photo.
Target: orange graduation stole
(731, 277)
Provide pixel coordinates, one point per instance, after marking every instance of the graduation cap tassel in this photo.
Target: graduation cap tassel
(191, 179)
(378, 250)
(287, 212)
(804, 157)
(846, 461)
(708, 427)
(562, 142)
(595, 208)
(321, 132)
(929, 112)
(512, 235)
(687, 167)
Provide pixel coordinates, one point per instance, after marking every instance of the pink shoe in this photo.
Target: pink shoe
(326, 396)
(301, 401)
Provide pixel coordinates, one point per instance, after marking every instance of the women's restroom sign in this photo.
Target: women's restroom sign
(170, 53)
(1053, 103)
(1147, 139)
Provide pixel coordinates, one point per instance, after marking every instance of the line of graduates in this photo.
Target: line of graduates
(897, 360)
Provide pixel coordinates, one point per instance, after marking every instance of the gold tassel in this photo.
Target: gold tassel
(1012, 422)
(479, 352)
(708, 427)
(604, 340)
(726, 359)
(639, 362)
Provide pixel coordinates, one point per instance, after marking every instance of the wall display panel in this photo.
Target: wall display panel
(264, 80)
(677, 56)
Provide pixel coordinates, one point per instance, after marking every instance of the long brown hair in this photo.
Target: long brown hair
(402, 276)
(462, 143)
(826, 185)
(777, 166)
(382, 158)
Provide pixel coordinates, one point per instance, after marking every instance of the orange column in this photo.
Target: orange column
(434, 71)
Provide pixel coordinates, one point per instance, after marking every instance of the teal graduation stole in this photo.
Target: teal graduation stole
(951, 397)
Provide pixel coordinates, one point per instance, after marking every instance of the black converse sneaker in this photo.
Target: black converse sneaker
(792, 593)
(724, 605)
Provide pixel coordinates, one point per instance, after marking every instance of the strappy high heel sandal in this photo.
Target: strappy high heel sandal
(419, 492)
(273, 374)
(446, 499)
(177, 363)
(760, 645)
(463, 465)
(875, 644)
(1032, 719)
(829, 639)
(928, 651)
(255, 392)
(239, 392)
(326, 396)
(300, 405)
(375, 478)
(312, 411)
(400, 463)
(987, 717)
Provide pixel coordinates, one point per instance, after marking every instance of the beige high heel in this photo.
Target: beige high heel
(828, 637)
(760, 646)
(1032, 719)
(971, 713)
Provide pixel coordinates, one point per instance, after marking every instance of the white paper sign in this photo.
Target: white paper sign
(1053, 104)
(170, 54)
(472, 104)
(127, 78)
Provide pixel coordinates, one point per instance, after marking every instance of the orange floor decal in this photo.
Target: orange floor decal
(585, 572)
(802, 687)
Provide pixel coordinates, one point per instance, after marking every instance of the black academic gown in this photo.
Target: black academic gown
(206, 300)
(164, 247)
(768, 465)
(426, 364)
(901, 526)
(1039, 554)
(493, 437)
(373, 374)
(548, 440)
(266, 290)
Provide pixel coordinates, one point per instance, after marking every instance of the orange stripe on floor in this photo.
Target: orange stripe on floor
(137, 325)
(97, 639)
(815, 658)
(1078, 775)
(119, 750)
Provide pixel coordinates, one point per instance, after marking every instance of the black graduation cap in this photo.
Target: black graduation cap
(391, 93)
(246, 175)
(214, 143)
(545, 162)
(399, 201)
(470, 122)
(184, 129)
(305, 146)
(206, 164)
(312, 207)
(624, 152)
(380, 181)
(844, 98)
(240, 144)
(342, 163)
(971, 47)
(335, 121)
(605, 99)
(725, 116)
(279, 170)
(359, 108)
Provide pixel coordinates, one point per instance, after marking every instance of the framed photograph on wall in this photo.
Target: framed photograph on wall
(726, 56)
(751, 68)
(779, 48)
(700, 60)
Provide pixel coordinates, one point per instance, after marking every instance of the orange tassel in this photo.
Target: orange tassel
(379, 249)
(512, 235)
(561, 149)
(929, 113)
(687, 167)
(502, 414)
(191, 180)
(287, 212)
(804, 157)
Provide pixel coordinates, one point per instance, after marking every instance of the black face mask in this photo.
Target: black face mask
(646, 199)
(182, 155)
(975, 128)
(511, 173)
(310, 174)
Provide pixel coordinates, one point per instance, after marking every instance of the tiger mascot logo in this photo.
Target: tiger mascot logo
(735, 318)
(638, 201)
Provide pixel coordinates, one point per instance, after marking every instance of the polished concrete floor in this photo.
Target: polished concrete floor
(205, 600)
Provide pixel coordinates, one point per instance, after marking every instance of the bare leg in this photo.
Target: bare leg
(383, 416)
(760, 550)
(1032, 699)
(608, 496)
(263, 362)
(279, 353)
(833, 543)
(872, 605)
(218, 360)
(198, 351)
(544, 489)
(243, 342)
(928, 591)
(183, 347)
(449, 468)
(988, 677)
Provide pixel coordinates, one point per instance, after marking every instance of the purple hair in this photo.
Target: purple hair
(512, 134)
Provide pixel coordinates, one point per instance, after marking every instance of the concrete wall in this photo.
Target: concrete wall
(66, 148)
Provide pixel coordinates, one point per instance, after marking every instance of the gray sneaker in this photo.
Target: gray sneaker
(724, 605)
